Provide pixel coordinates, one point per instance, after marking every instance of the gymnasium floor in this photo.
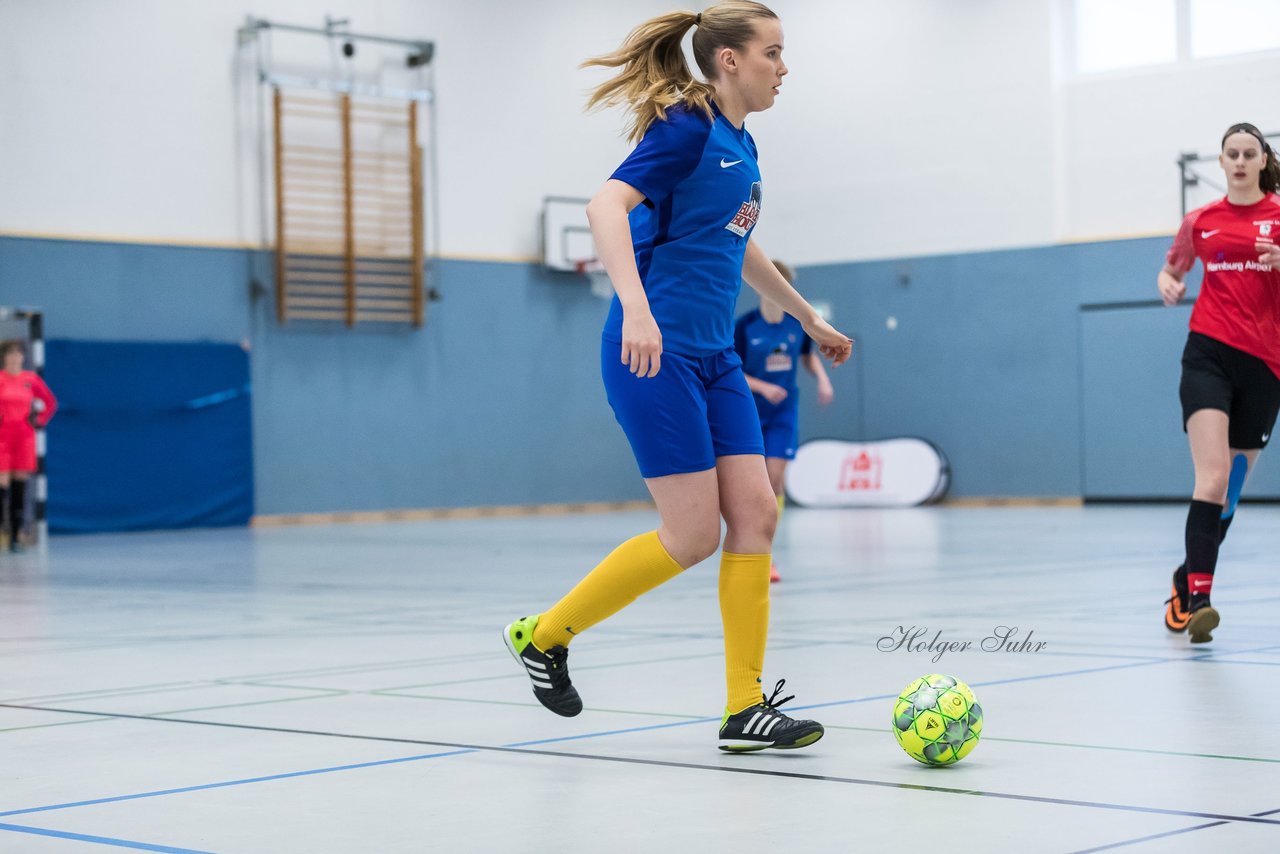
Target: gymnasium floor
(345, 689)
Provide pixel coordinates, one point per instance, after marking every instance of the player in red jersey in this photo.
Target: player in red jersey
(18, 421)
(1231, 365)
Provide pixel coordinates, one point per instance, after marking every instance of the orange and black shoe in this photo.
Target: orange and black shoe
(1203, 620)
(1177, 609)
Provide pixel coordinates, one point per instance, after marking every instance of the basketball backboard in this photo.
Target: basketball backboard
(566, 236)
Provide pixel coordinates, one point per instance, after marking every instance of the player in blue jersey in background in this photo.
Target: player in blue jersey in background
(772, 345)
(672, 227)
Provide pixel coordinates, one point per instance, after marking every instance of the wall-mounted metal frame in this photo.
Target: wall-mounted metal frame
(328, 207)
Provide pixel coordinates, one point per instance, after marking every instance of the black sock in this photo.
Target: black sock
(1204, 533)
(1225, 523)
(17, 508)
(4, 505)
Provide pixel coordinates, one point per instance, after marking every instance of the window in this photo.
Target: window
(1225, 27)
(1112, 35)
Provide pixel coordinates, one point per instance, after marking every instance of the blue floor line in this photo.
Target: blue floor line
(226, 783)
(100, 840)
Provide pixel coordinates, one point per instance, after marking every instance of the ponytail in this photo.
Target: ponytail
(1269, 178)
(654, 73)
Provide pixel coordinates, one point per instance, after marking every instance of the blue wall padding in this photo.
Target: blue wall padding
(149, 435)
(1041, 371)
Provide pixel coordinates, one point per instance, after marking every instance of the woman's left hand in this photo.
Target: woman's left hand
(1268, 252)
(836, 346)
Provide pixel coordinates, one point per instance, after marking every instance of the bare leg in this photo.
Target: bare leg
(689, 505)
(777, 467)
(748, 504)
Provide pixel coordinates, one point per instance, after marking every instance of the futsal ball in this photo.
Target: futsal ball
(937, 720)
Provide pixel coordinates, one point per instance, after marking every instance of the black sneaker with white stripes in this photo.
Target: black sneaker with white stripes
(762, 725)
(549, 671)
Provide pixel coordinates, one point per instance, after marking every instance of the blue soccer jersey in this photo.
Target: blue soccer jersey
(702, 195)
(771, 351)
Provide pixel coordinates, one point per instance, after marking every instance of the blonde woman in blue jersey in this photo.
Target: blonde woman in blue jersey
(672, 227)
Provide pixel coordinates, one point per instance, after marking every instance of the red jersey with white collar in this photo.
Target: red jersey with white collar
(17, 391)
(1239, 302)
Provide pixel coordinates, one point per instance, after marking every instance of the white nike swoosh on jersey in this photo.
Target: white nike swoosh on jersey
(1266, 436)
(724, 165)
(755, 341)
(1205, 234)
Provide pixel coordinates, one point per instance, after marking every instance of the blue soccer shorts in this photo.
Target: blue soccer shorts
(696, 409)
(781, 427)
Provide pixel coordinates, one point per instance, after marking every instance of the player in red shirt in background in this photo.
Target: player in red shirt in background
(1231, 365)
(18, 422)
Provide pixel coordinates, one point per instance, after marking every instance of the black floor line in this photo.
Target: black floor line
(794, 775)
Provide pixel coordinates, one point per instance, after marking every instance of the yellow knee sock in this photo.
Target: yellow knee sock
(782, 505)
(744, 608)
(635, 567)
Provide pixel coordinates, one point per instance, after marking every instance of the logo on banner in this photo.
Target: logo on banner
(861, 472)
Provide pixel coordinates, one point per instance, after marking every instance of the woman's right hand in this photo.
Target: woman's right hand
(775, 394)
(1172, 289)
(641, 343)
(836, 346)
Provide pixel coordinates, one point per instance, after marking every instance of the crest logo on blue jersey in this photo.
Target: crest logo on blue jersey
(748, 214)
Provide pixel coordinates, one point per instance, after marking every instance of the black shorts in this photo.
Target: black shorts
(1217, 376)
